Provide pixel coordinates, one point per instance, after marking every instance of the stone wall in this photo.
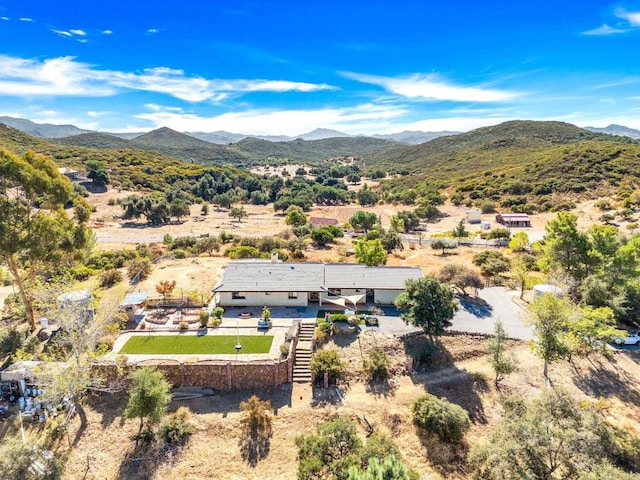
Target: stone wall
(219, 375)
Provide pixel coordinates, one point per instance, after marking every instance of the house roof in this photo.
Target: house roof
(67, 171)
(323, 221)
(515, 216)
(134, 299)
(311, 277)
(355, 275)
(271, 277)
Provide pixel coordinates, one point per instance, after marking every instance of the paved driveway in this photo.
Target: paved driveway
(477, 316)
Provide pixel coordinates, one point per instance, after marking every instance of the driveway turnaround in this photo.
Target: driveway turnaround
(476, 315)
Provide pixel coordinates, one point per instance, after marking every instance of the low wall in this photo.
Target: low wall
(219, 375)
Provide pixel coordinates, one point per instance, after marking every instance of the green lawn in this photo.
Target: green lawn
(191, 344)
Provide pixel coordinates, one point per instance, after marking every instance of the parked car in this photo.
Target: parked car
(632, 339)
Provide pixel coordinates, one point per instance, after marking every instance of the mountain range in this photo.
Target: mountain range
(47, 130)
(620, 130)
(528, 165)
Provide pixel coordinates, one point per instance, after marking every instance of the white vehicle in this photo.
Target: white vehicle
(632, 339)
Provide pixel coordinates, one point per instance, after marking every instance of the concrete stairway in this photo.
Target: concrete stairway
(304, 349)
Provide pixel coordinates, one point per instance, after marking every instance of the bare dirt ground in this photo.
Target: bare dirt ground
(200, 274)
(112, 231)
(462, 375)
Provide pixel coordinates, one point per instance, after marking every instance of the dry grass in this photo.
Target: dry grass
(462, 377)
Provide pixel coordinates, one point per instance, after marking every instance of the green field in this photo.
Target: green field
(193, 345)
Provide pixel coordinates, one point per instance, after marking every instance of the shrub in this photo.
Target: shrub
(177, 427)
(327, 361)
(321, 333)
(215, 322)
(338, 317)
(179, 253)
(31, 344)
(10, 341)
(141, 267)
(284, 348)
(256, 416)
(110, 277)
(217, 312)
(81, 272)
(438, 416)
(377, 365)
(107, 341)
(203, 317)
(183, 325)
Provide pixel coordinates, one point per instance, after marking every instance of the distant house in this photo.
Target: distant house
(513, 219)
(70, 173)
(256, 283)
(319, 222)
(474, 216)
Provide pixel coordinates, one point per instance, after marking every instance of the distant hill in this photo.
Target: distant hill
(534, 162)
(222, 138)
(94, 140)
(178, 145)
(42, 130)
(128, 168)
(614, 129)
(313, 151)
(414, 138)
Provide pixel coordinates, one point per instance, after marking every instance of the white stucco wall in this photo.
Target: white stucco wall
(385, 297)
(260, 299)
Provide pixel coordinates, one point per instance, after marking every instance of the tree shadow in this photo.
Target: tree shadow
(321, 397)
(601, 378)
(255, 445)
(476, 306)
(385, 388)
(440, 377)
(224, 403)
(142, 462)
(425, 354)
(447, 458)
(109, 406)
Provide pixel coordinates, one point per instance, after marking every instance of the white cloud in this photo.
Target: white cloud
(604, 30)
(95, 114)
(366, 117)
(632, 17)
(107, 32)
(26, 19)
(6, 19)
(62, 33)
(64, 76)
(57, 76)
(151, 31)
(79, 32)
(432, 87)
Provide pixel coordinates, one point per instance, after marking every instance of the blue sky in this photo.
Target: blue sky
(287, 67)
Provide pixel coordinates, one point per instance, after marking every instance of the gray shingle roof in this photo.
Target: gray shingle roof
(311, 277)
(271, 277)
(349, 275)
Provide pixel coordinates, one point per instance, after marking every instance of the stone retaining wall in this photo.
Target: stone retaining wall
(219, 375)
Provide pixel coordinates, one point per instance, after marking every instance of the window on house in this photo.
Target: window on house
(336, 292)
(238, 295)
(293, 295)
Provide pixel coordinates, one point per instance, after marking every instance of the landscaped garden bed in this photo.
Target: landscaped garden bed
(194, 345)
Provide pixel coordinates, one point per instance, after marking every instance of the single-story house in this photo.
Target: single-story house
(319, 222)
(513, 219)
(70, 173)
(255, 283)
